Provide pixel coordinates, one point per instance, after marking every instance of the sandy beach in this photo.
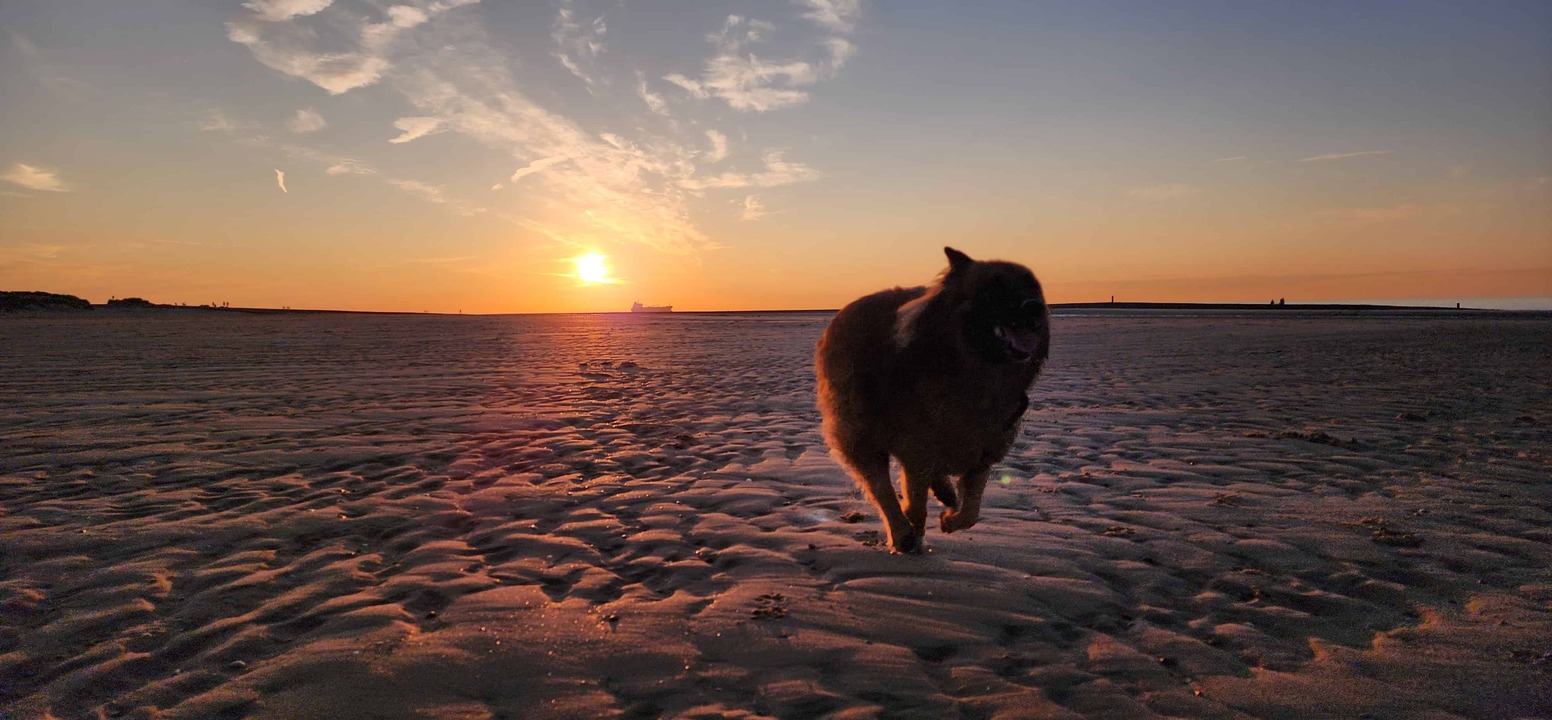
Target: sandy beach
(222, 515)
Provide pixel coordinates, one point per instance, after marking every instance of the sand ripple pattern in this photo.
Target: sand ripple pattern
(333, 516)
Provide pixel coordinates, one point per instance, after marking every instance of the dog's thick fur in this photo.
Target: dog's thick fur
(936, 377)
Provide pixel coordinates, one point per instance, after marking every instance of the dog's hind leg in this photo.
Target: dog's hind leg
(872, 473)
(971, 486)
(943, 489)
(916, 482)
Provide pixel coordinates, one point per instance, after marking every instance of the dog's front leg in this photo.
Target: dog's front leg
(872, 473)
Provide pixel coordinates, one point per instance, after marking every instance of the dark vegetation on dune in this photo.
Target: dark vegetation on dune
(132, 302)
(28, 301)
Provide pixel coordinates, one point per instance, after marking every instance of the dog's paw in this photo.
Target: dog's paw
(906, 544)
(950, 521)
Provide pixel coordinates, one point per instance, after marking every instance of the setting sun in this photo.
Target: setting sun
(591, 269)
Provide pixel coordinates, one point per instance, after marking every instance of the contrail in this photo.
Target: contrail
(280, 179)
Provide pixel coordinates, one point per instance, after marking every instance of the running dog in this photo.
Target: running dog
(936, 377)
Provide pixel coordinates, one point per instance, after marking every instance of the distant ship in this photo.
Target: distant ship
(638, 307)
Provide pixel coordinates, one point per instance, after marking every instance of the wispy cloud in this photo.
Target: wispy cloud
(743, 80)
(1236, 158)
(753, 209)
(347, 166)
(1174, 191)
(1392, 213)
(840, 50)
(836, 15)
(411, 128)
(336, 164)
(430, 192)
(536, 166)
(654, 101)
(778, 171)
(1344, 156)
(305, 121)
(583, 186)
(33, 177)
(719, 146)
(33, 62)
(610, 189)
(278, 10)
(433, 194)
(578, 43)
(292, 49)
(218, 121)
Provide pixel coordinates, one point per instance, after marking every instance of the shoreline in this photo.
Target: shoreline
(1087, 309)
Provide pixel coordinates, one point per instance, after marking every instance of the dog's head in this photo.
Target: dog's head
(997, 307)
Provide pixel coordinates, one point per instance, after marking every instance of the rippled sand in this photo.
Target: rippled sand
(211, 515)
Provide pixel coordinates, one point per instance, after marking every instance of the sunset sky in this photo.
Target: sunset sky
(457, 155)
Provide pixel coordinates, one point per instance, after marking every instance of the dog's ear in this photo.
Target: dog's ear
(957, 261)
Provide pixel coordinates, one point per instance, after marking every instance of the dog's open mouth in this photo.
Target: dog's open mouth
(1021, 343)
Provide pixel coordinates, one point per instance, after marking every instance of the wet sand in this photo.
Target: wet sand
(220, 515)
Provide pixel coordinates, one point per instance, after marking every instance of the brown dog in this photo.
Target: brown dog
(936, 377)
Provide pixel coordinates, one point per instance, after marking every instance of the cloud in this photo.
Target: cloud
(835, 15)
(350, 167)
(582, 185)
(434, 194)
(278, 10)
(305, 121)
(411, 128)
(840, 50)
(217, 121)
(692, 86)
(753, 209)
(536, 166)
(33, 177)
(1342, 156)
(430, 192)
(578, 44)
(1236, 158)
(295, 49)
(654, 101)
(778, 171)
(610, 189)
(34, 63)
(743, 80)
(1173, 191)
(1392, 213)
(719, 146)
(337, 164)
(342, 165)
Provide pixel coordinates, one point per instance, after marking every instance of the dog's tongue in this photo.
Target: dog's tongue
(1024, 341)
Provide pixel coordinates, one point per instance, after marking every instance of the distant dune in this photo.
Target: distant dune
(35, 301)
